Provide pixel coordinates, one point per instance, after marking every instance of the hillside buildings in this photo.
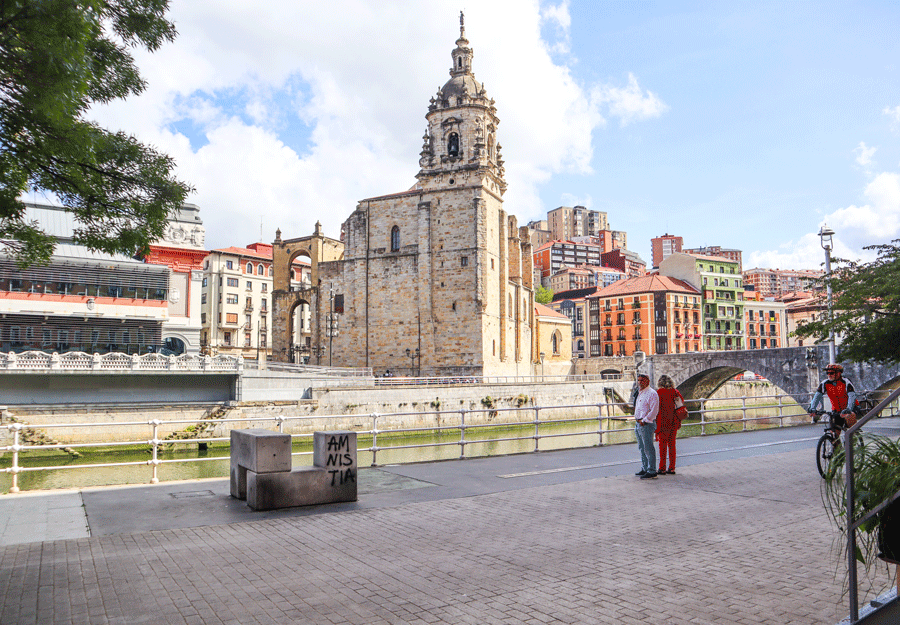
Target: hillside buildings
(718, 252)
(780, 282)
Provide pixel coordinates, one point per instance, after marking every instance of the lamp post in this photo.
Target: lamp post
(412, 355)
(542, 365)
(825, 236)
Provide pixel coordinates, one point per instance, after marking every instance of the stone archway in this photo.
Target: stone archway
(290, 294)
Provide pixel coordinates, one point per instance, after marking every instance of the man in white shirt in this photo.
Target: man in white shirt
(646, 407)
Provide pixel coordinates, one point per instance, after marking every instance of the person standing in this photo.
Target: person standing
(646, 407)
(667, 423)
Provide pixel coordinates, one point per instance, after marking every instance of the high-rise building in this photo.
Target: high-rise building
(568, 222)
(780, 282)
(663, 247)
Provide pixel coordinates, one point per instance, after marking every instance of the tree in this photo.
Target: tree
(866, 307)
(57, 59)
(542, 295)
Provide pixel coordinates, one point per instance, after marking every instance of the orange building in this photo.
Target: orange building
(653, 314)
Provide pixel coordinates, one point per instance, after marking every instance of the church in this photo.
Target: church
(433, 281)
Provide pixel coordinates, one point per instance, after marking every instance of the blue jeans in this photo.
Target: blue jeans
(644, 433)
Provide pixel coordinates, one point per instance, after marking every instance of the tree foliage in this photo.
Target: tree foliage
(57, 59)
(542, 295)
(866, 307)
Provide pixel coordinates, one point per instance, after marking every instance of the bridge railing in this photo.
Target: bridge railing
(114, 362)
(487, 430)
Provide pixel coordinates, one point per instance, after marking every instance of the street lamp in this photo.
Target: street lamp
(825, 236)
(542, 365)
(412, 355)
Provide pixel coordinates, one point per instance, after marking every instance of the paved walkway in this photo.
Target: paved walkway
(739, 535)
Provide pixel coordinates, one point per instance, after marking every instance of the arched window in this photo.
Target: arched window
(453, 144)
(260, 270)
(271, 272)
(581, 346)
(250, 268)
(395, 238)
(554, 342)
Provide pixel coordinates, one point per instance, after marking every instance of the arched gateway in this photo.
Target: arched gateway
(287, 298)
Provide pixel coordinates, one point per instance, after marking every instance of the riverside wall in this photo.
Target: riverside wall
(326, 409)
(350, 408)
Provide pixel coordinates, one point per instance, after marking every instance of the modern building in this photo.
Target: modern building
(436, 280)
(765, 322)
(780, 282)
(236, 303)
(82, 300)
(652, 314)
(552, 257)
(719, 280)
(540, 233)
(663, 247)
(567, 222)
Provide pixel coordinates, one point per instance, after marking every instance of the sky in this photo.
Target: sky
(742, 124)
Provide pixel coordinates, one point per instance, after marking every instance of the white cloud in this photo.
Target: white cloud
(894, 115)
(629, 103)
(864, 154)
(295, 111)
(874, 222)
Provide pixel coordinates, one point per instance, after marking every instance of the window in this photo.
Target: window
(464, 261)
(205, 281)
(227, 339)
(249, 285)
(231, 298)
(229, 264)
(395, 238)
(260, 270)
(265, 287)
(203, 298)
(248, 321)
(203, 318)
(231, 318)
(246, 339)
(250, 268)
(263, 304)
(339, 303)
(232, 282)
(248, 303)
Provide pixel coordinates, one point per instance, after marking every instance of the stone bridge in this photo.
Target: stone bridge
(795, 370)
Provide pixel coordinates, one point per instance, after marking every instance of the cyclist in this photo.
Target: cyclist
(840, 393)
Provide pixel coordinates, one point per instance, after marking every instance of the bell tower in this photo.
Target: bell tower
(460, 142)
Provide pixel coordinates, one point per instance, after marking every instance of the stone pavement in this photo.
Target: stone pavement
(739, 535)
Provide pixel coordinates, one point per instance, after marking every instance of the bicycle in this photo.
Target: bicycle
(829, 441)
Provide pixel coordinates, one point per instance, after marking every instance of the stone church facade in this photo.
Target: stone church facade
(434, 281)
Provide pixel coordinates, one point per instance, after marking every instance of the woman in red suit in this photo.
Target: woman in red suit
(667, 423)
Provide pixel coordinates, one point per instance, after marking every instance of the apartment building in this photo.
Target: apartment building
(765, 322)
(567, 222)
(718, 252)
(720, 281)
(653, 314)
(575, 309)
(780, 282)
(551, 257)
(235, 303)
(663, 247)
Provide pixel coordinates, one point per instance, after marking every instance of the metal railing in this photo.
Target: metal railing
(854, 525)
(524, 423)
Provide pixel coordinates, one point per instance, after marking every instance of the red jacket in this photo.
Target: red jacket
(667, 421)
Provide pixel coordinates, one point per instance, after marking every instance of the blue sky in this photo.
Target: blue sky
(743, 124)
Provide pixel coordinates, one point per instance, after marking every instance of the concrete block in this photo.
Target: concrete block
(260, 451)
(333, 478)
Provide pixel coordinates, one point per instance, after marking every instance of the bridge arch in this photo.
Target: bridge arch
(796, 370)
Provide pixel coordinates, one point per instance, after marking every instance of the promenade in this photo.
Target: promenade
(738, 536)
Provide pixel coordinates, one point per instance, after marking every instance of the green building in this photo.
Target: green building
(721, 283)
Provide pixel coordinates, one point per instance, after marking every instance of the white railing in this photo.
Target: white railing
(527, 423)
(35, 361)
(316, 370)
(492, 379)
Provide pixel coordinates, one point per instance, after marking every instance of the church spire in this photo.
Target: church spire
(462, 54)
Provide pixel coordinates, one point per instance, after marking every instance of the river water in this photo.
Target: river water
(186, 461)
